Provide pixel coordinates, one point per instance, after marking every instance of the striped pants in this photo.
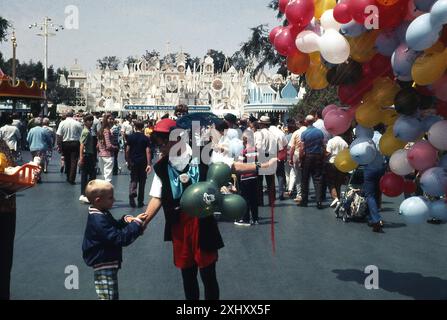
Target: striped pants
(106, 284)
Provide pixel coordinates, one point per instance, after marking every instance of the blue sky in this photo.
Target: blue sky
(123, 28)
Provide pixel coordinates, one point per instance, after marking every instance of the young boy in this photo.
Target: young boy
(87, 160)
(138, 158)
(104, 238)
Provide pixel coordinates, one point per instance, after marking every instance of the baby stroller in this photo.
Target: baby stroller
(353, 205)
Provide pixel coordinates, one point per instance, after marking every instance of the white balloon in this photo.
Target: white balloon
(334, 48)
(328, 21)
(437, 135)
(307, 41)
(399, 163)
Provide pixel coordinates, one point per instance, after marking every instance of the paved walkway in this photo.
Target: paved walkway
(317, 256)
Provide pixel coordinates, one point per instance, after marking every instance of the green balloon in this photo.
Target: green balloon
(233, 206)
(201, 199)
(219, 173)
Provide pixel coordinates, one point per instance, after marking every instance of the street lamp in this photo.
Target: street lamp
(14, 46)
(46, 27)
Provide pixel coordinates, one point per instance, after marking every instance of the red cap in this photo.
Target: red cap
(164, 125)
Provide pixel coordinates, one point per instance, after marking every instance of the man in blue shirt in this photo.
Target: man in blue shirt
(312, 140)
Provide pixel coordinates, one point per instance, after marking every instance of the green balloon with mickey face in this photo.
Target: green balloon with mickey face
(201, 199)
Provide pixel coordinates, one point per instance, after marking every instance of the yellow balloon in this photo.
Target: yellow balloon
(389, 143)
(315, 57)
(429, 67)
(344, 162)
(316, 77)
(363, 46)
(322, 5)
(368, 116)
(384, 91)
(389, 117)
(3, 162)
(436, 48)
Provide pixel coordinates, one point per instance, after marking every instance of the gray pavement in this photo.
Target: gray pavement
(317, 256)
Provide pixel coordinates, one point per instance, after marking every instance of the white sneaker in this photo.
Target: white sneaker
(84, 199)
(242, 223)
(334, 203)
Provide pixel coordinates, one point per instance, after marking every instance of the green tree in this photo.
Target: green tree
(315, 100)
(112, 62)
(219, 60)
(129, 60)
(4, 25)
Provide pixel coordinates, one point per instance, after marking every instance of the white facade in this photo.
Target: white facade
(148, 83)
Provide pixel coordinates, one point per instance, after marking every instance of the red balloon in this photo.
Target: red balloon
(298, 62)
(282, 5)
(273, 33)
(422, 156)
(352, 94)
(392, 185)
(424, 90)
(300, 12)
(284, 41)
(409, 187)
(378, 66)
(392, 16)
(441, 108)
(357, 9)
(342, 13)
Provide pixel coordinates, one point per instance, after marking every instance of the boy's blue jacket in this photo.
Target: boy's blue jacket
(104, 238)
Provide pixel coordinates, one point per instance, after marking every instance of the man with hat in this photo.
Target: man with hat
(312, 140)
(195, 241)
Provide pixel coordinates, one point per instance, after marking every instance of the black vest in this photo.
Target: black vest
(209, 235)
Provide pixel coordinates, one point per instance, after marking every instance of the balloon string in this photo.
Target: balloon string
(272, 229)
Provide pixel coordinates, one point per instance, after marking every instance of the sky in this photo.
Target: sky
(130, 27)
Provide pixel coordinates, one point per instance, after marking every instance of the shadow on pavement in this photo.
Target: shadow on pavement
(410, 284)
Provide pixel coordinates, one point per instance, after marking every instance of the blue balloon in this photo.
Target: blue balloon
(424, 5)
(422, 34)
(438, 209)
(402, 61)
(407, 128)
(362, 132)
(386, 43)
(378, 162)
(415, 209)
(434, 181)
(352, 29)
(363, 151)
(443, 161)
(430, 120)
(438, 13)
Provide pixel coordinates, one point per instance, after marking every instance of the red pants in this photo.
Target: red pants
(185, 240)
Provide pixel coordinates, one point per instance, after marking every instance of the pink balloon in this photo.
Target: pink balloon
(422, 156)
(337, 122)
(440, 88)
(273, 33)
(282, 5)
(328, 109)
(284, 42)
(342, 13)
(300, 12)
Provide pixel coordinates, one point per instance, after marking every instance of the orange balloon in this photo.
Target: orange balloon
(298, 63)
(387, 3)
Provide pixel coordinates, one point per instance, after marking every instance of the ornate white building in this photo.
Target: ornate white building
(150, 87)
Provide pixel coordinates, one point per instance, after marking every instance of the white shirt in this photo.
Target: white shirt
(296, 138)
(335, 146)
(126, 128)
(265, 140)
(70, 130)
(319, 124)
(280, 136)
(10, 134)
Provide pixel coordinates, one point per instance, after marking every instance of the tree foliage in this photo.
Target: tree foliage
(315, 100)
(4, 25)
(111, 62)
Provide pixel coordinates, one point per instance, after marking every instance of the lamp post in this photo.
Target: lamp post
(14, 46)
(46, 29)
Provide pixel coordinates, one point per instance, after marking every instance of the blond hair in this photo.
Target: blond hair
(97, 188)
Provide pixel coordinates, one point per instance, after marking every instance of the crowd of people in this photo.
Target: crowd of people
(285, 156)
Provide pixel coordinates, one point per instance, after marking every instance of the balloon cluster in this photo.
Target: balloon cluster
(204, 198)
(388, 59)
